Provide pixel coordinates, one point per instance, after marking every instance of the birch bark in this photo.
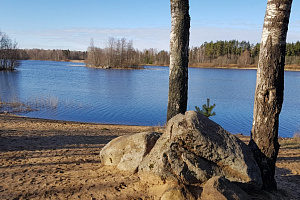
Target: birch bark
(269, 89)
(179, 58)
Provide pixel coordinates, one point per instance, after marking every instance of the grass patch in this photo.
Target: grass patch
(14, 107)
(291, 143)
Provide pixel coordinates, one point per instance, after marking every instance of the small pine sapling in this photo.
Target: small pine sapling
(206, 109)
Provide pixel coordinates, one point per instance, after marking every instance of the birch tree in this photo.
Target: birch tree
(269, 89)
(179, 57)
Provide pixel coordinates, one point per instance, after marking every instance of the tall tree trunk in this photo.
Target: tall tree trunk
(179, 57)
(269, 89)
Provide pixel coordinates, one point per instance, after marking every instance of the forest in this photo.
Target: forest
(120, 53)
(54, 54)
(243, 54)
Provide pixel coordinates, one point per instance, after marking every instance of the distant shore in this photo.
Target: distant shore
(236, 66)
(204, 65)
(77, 61)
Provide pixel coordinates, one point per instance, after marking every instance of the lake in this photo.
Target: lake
(70, 91)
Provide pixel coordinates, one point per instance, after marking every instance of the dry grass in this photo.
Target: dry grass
(236, 66)
(292, 67)
(292, 143)
(14, 107)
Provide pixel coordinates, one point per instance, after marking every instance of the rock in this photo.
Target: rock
(219, 188)
(176, 191)
(272, 195)
(193, 149)
(126, 152)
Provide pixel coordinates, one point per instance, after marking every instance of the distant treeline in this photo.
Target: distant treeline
(293, 53)
(120, 53)
(55, 54)
(242, 53)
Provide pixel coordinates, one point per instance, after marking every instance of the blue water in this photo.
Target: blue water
(69, 91)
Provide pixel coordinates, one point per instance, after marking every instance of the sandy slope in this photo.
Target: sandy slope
(46, 159)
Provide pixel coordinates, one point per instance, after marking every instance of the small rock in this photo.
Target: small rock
(178, 192)
(219, 188)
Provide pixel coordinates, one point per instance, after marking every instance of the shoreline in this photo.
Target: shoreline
(293, 67)
(9, 115)
(53, 159)
(12, 116)
(236, 66)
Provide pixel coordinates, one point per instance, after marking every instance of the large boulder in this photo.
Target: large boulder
(126, 152)
(193, 149)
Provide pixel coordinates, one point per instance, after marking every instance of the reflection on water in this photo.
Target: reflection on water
(62, 91)
(9, 90)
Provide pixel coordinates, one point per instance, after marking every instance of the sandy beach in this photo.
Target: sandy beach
(49, 159)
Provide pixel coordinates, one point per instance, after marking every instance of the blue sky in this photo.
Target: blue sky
(70, 24)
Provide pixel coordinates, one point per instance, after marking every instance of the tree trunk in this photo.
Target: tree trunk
(269, 89)
(179, 58)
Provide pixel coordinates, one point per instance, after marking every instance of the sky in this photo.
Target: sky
(70, 24)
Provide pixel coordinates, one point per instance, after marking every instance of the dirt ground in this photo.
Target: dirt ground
(48, 159)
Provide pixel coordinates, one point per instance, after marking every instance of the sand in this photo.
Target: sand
(48, 159)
